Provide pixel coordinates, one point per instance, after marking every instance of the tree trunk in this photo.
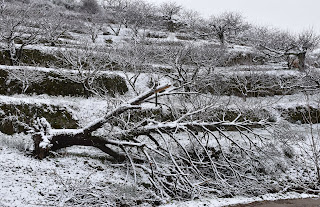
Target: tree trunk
(302, 59)
(289, 62)
(221, 37)
(67, 140)
(12, 52)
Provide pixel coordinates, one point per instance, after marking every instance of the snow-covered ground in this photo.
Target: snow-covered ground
(78, 176)
(26, 181)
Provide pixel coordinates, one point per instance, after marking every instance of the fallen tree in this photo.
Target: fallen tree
(183, 158)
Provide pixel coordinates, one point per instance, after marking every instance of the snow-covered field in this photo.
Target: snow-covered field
(78, 176)
(26, 181)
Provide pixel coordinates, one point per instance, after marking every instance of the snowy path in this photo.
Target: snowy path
(239, 201)
(308, 202)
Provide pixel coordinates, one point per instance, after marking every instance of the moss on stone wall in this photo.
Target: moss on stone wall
(253, 84)
(31, 57)
(55, 83)
(16, 118)
(301, 114)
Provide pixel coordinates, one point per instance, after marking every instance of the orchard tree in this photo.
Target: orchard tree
(226, 26)
(19, 23)
(93, 25)
(134, 59)
(115, 14)
(170, 12)
(270, 41)
(283, 45)
(94, 18)
(191, 19)
(55, 26)
(87, 65)
(139, 15)
(305, 42)
(192, 65)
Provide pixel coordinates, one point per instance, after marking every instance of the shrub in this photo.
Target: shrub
(185, 37)
(108, 41)
(157, 35)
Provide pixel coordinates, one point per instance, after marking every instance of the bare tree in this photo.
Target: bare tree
(93, 26)
(17, 26)
(170, 12)
(55, 26)
(283, 45)
(115, 11)
(139, 15)
(86, 65)
(191, 19)
(306, 41)
(192, 63)
(226, 25)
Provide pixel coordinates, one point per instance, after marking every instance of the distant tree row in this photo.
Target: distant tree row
(228, 27)
(31, 21)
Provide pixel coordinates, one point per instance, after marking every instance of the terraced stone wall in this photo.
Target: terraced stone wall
(19, 117)
(55, 83)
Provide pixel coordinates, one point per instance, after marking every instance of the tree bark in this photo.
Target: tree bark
(221, 37)
(67, 140)
(302, 60)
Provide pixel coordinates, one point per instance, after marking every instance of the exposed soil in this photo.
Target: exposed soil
(307, 202)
